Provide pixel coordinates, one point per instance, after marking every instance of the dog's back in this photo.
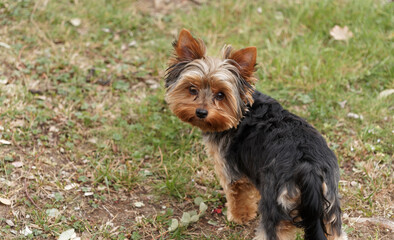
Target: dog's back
(291, 165)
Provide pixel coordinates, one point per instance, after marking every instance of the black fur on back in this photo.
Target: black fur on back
(275, 149)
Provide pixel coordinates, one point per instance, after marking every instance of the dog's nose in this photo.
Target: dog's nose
(201, 113)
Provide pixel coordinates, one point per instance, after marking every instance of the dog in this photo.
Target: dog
(267, 159)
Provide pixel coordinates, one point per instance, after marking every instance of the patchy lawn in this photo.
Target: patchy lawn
(87, 142)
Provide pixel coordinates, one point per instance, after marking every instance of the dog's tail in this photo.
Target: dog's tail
(311, 207)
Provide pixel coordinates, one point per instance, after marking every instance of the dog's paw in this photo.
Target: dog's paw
(240, 217)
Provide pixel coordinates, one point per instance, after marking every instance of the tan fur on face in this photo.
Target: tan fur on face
(209, 76)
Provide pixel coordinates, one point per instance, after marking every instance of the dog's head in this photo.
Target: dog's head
(210, 93)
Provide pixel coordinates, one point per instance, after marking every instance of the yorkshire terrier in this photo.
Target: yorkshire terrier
(267, 159)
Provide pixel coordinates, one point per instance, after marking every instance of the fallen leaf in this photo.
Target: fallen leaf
(195, 218)
(53, 212)
(10, 223)
(26, 231)
(17, 164)
(5, 142)
(17, 123)
(5, 201)
(174, 225)
(203, 208)
(4, 81)
(342, 104)
(132, 43)
(67, 235)
(5, 45)
(355, 116)
(385, 93)
(75, 22)
(341, 34)
(70, 186)
(198, 201)
(139, 204)
(53, 129)
(186, 219)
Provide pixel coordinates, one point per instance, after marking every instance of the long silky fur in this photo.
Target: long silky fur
(274, 149)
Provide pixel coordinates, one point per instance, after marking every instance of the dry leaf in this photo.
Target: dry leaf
(5, 142)
(341, 34)
(385, 93)
(5, 45)
(26, 231)
(17, 123)
(10, 223)
(17, 164)
(5, 201)
(67, 235)
(139, 204)
(355, 116)
(75, 22)
(4, 81)
(70, 186)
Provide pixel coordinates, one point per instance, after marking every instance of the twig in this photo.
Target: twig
(108, 211)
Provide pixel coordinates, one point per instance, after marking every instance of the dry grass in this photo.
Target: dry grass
(86, 131)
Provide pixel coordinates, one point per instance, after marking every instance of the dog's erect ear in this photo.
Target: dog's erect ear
(245, 59)
(188, 48)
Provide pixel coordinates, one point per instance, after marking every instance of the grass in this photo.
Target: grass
(91, 135)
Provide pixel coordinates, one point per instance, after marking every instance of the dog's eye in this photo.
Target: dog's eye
(193, 90)
(219, 96)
